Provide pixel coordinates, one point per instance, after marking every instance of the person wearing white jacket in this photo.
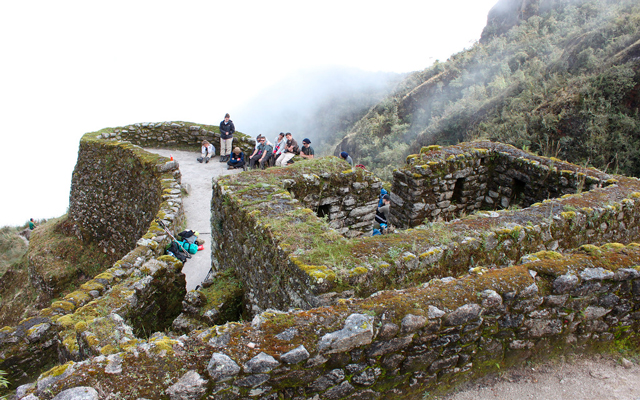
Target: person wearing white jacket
(208, 151)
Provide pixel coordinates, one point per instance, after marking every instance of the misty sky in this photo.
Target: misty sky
(70, 67)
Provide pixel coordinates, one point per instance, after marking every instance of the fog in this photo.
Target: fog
(71, 67)
(318, 103)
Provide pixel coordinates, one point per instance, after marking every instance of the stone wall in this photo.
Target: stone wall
(271, 203)
(37, 343)
(445, 183)
(398, 344)
(115, 194)
(395, 316)
(288, 257)
(175, 134)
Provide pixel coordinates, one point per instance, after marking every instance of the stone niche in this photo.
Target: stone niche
(445, 183)
(348, 205)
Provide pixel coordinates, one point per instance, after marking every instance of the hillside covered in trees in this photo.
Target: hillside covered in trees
(556, 77)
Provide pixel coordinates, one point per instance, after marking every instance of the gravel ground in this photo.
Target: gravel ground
(197, 206)
(577, 378)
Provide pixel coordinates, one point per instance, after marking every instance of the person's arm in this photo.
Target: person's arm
(268, 149)
(232, 128)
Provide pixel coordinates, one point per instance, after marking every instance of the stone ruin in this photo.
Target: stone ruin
(335, 313)
(445, 183)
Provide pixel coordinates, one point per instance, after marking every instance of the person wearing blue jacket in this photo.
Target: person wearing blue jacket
(236, 159)
(226, 137)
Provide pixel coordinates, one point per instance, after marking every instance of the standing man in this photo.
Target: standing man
(307, 150)
(226, 138)
(290, 149)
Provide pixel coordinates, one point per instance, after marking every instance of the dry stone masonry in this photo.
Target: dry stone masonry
(335, 313)
(444, 183)
(394, 345)
(174, 134)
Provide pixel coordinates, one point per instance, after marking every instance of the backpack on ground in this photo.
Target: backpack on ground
(188, 236)
(192, 248)
(175, 251)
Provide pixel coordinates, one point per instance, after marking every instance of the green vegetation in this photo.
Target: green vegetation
(4, 383)
(12, 247)
(56, 263)
(565, 83)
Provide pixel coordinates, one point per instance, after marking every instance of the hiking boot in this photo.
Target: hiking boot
(222, 158)
(230, 167)
(206, 160)
(244, 167)
(199, 159)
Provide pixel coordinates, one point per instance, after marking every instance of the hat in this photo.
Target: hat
(344, 155)
(386, 197)
(305, 140)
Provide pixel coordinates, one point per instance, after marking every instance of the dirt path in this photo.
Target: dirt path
(578, 378)
(197, 206)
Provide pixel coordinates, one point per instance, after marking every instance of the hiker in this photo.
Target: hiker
(32, 224)
(345, 156)
(278, 148)
(382, 215)
(261, 154)
(208, 152)
(290, 149)
(236, 159)
(306, 151)
(226, 137)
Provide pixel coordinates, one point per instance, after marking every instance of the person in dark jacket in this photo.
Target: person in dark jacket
(226, 137)
(236, 159)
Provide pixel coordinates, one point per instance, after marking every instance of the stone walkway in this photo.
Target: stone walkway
(197, 206)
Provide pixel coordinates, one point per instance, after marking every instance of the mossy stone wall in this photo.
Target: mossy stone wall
(114, 195)
(444, 183)
(257, 216)
(175, 134)
(116, 187)
(398, 344)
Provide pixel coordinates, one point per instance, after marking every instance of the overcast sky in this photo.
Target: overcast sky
(70, 67)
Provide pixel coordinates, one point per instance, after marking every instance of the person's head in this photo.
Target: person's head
(306, 142)
(386, 199)
(288, 135)
(344, 155)
(205, 143)
(237, 151)
(31, 219)
(227, 116)
(280, 136)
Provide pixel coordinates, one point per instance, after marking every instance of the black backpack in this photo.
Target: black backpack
(175, 251)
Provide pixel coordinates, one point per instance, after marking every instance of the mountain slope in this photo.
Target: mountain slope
(322, 104)
(560, 78)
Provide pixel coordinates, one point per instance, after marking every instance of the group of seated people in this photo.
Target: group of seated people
(267, 154)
